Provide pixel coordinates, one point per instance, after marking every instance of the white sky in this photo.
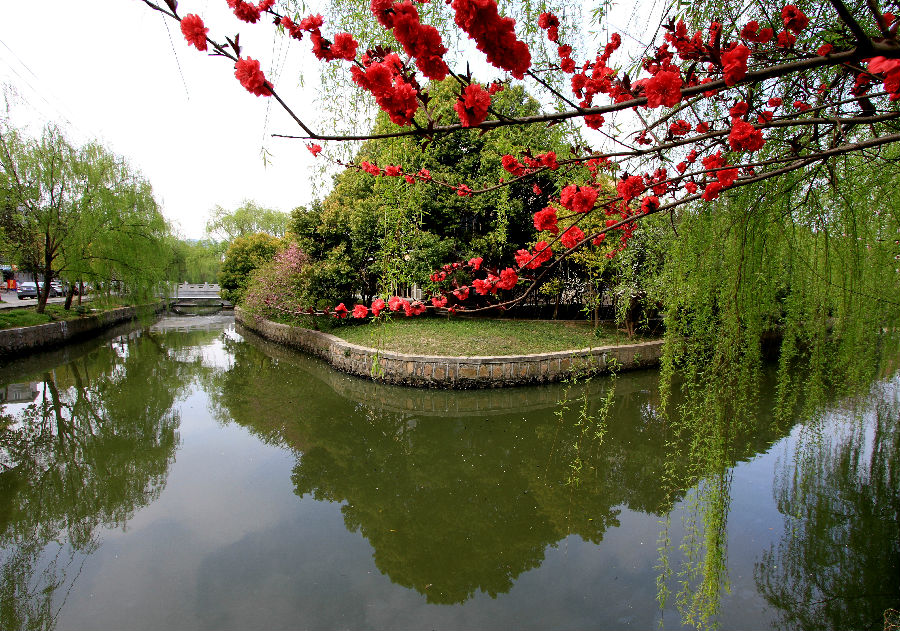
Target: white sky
(107, 69)
(111, 70)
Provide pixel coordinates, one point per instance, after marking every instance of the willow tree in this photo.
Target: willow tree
(41, 182)
(81, 214)
(248, 218)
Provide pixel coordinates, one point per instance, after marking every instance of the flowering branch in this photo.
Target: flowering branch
(734, 71)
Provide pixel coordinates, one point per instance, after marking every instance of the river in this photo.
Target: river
(188, 475)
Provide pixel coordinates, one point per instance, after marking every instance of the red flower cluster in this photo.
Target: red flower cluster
(247, 12)
(649, 204)
(712, 191)
(370, 168)
(891, 70)
(734, 64)
(630, 187)
(508, 279)
(194, 31)
(546, 220)
(314, 149)
(739, 109)
(578, 199)
(462, 293)
(785, 39)
(680, 128)
(512, 165)
(572, 237)
(493, 35)
(343, 46)
(600, 81)
(472, 105)
(745, 137)
(664, 88)
(549, 23)
(794, 19)
(384, 79)
(420, 41)
(529, 260)
(247, 71)
(751, 33)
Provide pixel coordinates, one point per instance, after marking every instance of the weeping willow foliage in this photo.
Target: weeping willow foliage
(805, 266)
(347, 109)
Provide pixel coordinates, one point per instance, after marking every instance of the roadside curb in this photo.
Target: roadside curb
(436, 371)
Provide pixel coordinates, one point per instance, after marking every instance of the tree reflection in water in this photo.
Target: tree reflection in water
(457, 493)
(94, 448)
(456, 497)
(837, 565)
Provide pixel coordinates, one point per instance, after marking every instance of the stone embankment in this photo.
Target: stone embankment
(28, 339)
(454, 372)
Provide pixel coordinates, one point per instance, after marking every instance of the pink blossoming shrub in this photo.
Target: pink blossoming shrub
(277, 290)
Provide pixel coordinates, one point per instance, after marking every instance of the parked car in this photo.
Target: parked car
(30, 290)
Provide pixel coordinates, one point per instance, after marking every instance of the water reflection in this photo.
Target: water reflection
(87, 450)
(837, 565)
(455, 495)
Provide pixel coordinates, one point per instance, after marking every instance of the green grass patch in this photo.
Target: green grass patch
(28, 316)
(479, 336)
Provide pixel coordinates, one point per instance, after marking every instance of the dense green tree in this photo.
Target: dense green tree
(374, 234)
(244, 255)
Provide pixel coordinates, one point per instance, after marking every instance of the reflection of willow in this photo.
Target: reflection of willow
(838, 563)
(716, 415)
(89, 453)
(716, 408)
(457, 503)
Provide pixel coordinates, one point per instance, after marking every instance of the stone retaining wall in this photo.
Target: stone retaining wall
(28, 339)
(454, 372)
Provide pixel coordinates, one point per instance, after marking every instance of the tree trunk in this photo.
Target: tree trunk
(70, 293)
(44, 293)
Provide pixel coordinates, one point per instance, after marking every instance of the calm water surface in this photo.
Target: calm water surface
(191, 476)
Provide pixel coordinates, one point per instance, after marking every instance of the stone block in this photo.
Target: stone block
(468, 371)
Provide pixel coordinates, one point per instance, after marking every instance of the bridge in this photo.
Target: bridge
(190, 296)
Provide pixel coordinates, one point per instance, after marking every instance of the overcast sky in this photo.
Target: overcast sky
(107, 69)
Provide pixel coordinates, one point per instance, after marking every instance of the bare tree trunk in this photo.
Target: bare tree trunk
(70, 293)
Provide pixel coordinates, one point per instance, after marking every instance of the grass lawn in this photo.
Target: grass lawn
(477, 336)
(27, 316)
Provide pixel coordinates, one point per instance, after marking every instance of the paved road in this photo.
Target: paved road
(11, 300)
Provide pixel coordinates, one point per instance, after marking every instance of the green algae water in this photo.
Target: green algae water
(188, 475)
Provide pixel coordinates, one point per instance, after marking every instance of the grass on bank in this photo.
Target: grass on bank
(28, 316)
(480, 336)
